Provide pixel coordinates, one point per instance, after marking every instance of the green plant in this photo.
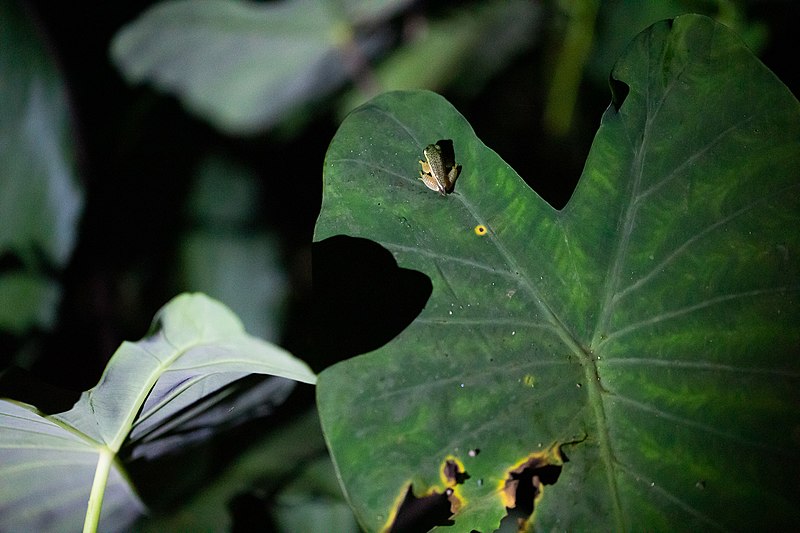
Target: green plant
(249, 66)
(670, 276)
(635, 352)
(155, 396)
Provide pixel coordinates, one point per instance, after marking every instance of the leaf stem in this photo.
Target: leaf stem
(104, 461)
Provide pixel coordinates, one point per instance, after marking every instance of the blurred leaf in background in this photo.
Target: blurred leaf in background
(225, 254)
(619, 21)
(315, 498)
(459, 50)
(40, 195)
(246, 66)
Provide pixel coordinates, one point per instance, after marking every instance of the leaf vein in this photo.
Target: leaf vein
(653, 486)
(694, 424)
(702, 365)
(447, 258)
(677, 252)
(669, 315)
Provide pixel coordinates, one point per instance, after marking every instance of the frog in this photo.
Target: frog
(439, 170)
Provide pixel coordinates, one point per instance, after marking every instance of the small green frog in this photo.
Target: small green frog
(439, 170)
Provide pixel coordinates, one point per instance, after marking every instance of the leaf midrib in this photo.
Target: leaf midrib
(126, 425)
(628, 217)
(583, 355)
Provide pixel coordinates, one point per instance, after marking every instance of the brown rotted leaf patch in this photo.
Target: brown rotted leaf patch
(525, 482)
(423, 513)
(454, 473)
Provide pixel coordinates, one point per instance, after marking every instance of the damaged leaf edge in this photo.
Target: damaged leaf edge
(449, 487)
(552, 457)
(452, 467)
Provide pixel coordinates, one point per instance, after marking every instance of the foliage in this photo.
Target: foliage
(247, 66)
(641, 341)
(113, 199)
(155, 396)
(37, 173)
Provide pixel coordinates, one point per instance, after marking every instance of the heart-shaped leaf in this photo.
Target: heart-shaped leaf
(48, 464)
(634, 354)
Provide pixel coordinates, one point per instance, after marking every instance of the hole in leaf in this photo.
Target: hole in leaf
(619, 92)
(525, 484)
(435, 509)
(422, 514)
(454, 473)
(362, 299)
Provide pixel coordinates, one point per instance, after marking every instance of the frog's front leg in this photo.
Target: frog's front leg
(426, 168)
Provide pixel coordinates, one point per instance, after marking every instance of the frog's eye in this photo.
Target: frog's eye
(480, 230)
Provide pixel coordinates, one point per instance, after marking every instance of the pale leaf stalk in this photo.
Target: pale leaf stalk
(104, 461)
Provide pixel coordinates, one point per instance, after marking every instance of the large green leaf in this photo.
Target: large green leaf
(245, 66)
(40, 198)
(47, 471)
(647, 332)
(48, 464)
